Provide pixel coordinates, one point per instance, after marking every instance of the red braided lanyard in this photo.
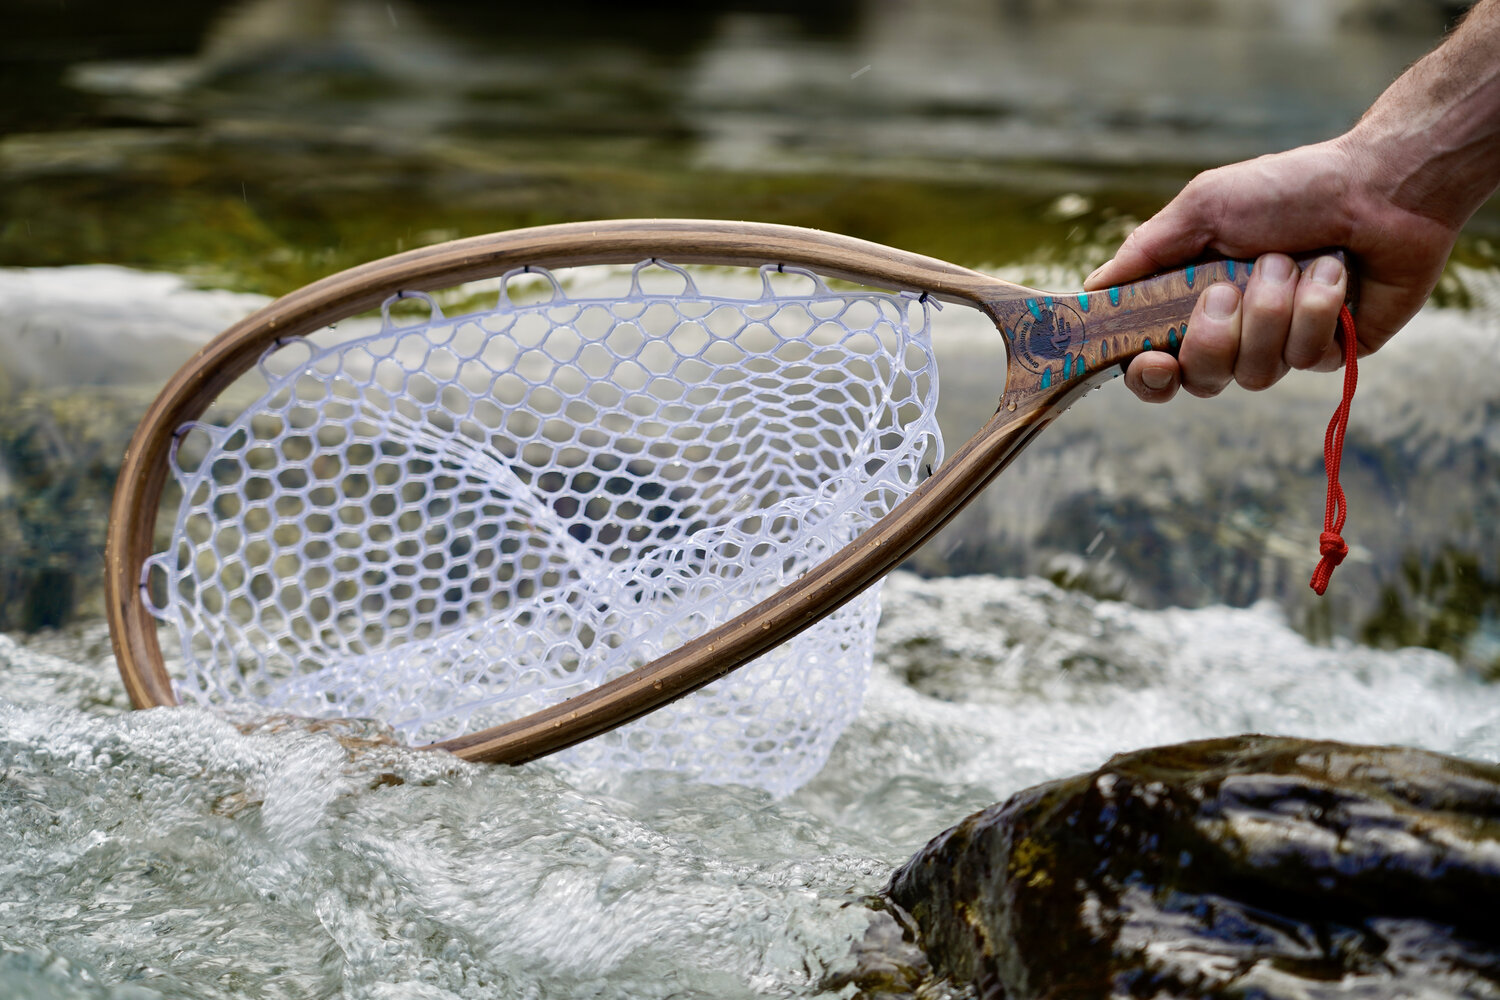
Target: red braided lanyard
(1331, 544)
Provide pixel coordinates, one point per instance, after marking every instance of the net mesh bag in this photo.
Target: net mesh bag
(449, 524)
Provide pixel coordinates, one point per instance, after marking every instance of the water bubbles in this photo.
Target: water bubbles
(172, 853)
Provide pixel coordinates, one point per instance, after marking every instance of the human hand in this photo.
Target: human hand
(1337, 193)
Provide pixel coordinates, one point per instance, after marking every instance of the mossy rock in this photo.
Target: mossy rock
(60, 453)
(1251, 866)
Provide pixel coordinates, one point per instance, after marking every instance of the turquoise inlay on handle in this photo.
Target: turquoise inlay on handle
(1172, 337)
(1036, 310)
(1249, 268)
(1047, 379)
(1083, 301)
(1147, 344)
(1191, 272)
(1114, 296)
(1067, 367)
(1230, 265)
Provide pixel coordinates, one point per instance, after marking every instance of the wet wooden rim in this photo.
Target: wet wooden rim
(1030, 401)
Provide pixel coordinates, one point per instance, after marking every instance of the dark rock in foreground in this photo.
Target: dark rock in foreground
(1245, 867)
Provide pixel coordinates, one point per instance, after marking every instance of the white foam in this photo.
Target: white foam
(102, 324)
(167, 846)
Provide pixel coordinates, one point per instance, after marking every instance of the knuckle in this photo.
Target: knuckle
(1204, 181)
(1202, 391)
(1266, 334)
(1209, 352)
(1269, 301)
(1319, 303)
(1301, 358)
(1204, 380)
(1255, 381)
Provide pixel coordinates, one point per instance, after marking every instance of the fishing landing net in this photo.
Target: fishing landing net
(451, 523)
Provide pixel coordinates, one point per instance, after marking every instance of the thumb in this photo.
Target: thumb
(1174, 236)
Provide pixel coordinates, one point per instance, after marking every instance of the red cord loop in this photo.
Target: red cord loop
(1331, 544)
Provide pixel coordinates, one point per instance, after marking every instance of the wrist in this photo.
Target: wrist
(1416, 170)
(1430, 145)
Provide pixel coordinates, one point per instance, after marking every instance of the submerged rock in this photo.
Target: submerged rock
(1250, 866)
(886, 962)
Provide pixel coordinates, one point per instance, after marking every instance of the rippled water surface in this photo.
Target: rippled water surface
(168, 853)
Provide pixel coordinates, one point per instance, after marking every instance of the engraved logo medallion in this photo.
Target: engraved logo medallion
(1048, 333)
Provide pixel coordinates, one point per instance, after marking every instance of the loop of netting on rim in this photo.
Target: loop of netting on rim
(449, 525)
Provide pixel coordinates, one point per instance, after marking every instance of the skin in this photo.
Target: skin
(1393, 191)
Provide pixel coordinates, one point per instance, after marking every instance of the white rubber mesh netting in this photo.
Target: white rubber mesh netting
(451, 524)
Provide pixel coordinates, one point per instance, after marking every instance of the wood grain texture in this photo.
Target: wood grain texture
(1052, 339)
(1057, 347)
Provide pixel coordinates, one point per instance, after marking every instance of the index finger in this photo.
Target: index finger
(1172, 237)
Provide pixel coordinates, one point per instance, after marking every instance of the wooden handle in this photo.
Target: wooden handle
(1053, 339)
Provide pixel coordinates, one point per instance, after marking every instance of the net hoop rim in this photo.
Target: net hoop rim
(189, 393)
(1044, 338)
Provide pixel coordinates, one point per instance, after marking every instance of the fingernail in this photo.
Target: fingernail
(1156, 378)
(1327, 271)
(1221, 301)
(1275, 267)
(1094, 272)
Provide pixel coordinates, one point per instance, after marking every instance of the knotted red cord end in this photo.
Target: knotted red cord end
(1333, 549)
(1331, 544)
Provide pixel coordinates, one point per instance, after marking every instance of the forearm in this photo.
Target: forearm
(1431, 142)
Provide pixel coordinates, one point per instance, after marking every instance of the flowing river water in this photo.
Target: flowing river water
(155, 189)
(169, 854)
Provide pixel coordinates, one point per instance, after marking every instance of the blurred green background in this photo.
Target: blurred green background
(261, 144)
(258, 145)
